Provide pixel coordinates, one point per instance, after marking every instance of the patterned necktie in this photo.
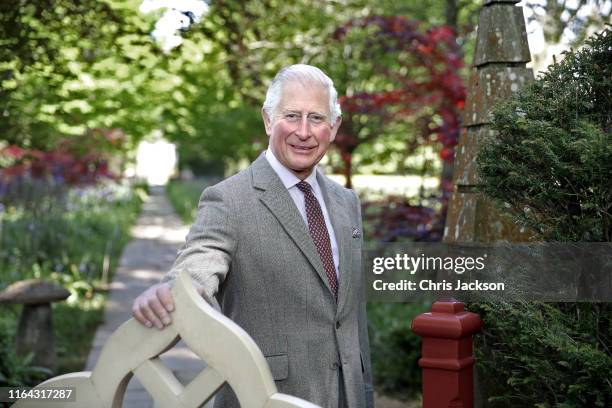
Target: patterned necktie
(319, 234)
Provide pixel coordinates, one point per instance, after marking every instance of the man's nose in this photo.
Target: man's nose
(303, 129)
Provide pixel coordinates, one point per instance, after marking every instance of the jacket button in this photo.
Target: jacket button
(334, 365)
(338, 325)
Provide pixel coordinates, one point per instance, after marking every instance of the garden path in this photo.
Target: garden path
(157, 236)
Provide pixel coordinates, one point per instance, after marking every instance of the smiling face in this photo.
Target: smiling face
(299, 131)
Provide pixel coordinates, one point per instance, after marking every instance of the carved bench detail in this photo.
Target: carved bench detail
(231, 354)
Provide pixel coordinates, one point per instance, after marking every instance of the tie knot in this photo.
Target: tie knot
(304, 187)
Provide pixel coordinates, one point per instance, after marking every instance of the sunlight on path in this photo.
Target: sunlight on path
(156, 237)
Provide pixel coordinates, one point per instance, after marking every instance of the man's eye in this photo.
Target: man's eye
(291, 116)
(316, 118)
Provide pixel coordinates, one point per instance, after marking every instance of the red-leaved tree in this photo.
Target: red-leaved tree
(420, 83)
(74, 161)
(412, 86)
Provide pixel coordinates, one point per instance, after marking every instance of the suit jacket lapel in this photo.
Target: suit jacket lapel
(277, 199)
(340, 221)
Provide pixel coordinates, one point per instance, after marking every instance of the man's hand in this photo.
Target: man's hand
(154, 305)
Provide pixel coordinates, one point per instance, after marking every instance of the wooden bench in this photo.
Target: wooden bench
(230, 353)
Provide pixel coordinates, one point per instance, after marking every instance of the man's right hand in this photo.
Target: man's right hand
(154, 305)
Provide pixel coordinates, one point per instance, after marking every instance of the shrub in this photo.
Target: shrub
(551, 163)
(395, 348)
(550, 168)
(74, 236)
(545, 355)
(396, 219)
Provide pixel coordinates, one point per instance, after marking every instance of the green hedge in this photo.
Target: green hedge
(550, 168)
(545, 355)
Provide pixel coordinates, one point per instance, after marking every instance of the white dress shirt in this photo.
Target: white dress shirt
(290, 181)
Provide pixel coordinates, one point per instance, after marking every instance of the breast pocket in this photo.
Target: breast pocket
(355, 250)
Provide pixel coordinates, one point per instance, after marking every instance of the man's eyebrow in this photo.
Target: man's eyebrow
(298, 111)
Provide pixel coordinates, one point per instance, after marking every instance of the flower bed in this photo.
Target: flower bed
(73, 237)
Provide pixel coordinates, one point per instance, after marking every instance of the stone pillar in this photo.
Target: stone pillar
(446, 357)
(498, 70)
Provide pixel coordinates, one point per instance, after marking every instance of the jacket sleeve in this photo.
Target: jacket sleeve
(364, 342)
(210, 244)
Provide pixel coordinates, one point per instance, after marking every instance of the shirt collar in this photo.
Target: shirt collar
(287, 177)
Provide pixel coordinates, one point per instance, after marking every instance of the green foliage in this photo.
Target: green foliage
(395, 348)
(185, 196)
(545, 355)
(551, 164)
(68, 66)
(15, 371)
(75, 325)
(67, 240)
(550, 167)
(226, 61)
(74, 239)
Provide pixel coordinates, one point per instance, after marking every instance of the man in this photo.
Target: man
(279, 245)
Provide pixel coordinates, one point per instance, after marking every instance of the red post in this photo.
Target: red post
(447, 360)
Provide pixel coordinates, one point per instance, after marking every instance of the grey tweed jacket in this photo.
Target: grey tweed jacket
(251, 249)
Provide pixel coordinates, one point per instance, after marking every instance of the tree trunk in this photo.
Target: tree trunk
(451, 13)
(347, 160)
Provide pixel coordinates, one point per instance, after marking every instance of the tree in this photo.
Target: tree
(241, 45)
(411, 77)
(67, 66)
(557, 16)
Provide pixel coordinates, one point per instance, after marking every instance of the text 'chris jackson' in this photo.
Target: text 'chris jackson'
(430, 285)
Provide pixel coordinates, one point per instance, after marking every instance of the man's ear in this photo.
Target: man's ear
(335, 128)
(267, 121)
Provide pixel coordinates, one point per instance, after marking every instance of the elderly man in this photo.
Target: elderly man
(279, 246)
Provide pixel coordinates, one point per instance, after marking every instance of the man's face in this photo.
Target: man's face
(299, 131)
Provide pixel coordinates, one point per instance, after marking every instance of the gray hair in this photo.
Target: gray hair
(305, 74)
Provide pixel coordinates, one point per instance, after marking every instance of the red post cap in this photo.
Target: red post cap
(446, 354)
(447, 319)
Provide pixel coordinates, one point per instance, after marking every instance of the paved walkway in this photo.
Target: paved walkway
(156, 237)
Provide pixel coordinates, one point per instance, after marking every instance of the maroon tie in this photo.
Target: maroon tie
(319, 234)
